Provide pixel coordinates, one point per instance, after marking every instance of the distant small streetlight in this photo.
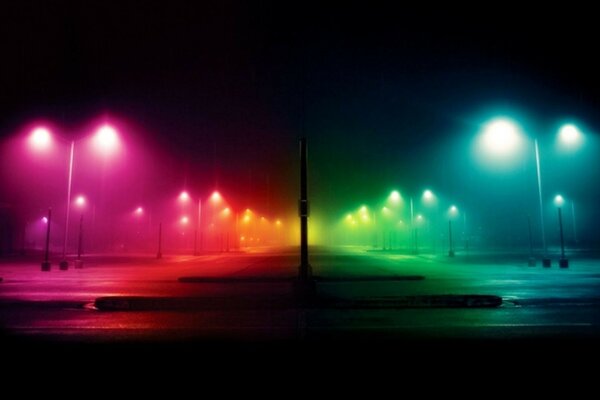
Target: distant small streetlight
(452, 213)
(559, 201)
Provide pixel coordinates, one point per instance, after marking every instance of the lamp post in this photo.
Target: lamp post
(501, 137)
(80, 202)
(452, 212)
(106, 139)
(427, 197)
(559, 202)
(216, 200)
(46, 263)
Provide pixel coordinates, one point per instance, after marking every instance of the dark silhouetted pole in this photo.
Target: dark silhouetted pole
(304, 265)
(46, 263)
(159, 253)
(78, 262)
(563, 262)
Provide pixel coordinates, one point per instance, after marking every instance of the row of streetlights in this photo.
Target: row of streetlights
(501, 138)
(105, 140)
(390, 209)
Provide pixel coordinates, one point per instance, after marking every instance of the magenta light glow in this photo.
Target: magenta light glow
(45, 220)
(184, 196)
(184, 220)
(80, 201)
(139, 210)
(40, 138)
(106, 138)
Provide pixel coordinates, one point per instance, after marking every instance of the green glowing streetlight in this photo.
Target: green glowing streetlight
(427, 197)
(452, 213)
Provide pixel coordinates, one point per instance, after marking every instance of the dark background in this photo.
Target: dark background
(388, 95)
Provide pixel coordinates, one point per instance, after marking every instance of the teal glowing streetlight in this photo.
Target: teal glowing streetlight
(502, 138)
(559, 201)
(570, 137)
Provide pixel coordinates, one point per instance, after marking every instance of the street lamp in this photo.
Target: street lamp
(428, 197)
(46, 263)
(216, 199)
(452, 213)
(80, 203)
(559, 201)
(105, 139)
(502, 137)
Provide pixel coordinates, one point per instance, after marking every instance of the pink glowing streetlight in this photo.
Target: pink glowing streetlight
(106, 140)
(40, 138)
(80, 201)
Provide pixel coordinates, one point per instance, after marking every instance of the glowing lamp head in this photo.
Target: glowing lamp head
(106, 138)
(428, 195)
(395, 197)
(226, 211)
(363, 209)
(216, 197)
(139, 211)
(570, 135)
(559, 201)
(501, 137)
(45, 220)
(40, 138)
(184, 220)
(80, 201)
(419, 217)
(278, 223)
(452, 211)
(184, 196)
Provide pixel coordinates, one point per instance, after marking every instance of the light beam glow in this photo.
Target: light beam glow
(40, 138)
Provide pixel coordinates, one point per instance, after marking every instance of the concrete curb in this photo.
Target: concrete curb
(320, 279)
(241, 279)
(140, 303)
(374, 278)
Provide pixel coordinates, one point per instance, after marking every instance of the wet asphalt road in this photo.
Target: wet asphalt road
(537, 304)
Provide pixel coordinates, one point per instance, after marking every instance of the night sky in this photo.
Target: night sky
(387, 96)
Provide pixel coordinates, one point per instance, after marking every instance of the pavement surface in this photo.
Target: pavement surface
(247, 297)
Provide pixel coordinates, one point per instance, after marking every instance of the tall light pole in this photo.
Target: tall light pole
(545, 260)
(106, 139)
(502, 136)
